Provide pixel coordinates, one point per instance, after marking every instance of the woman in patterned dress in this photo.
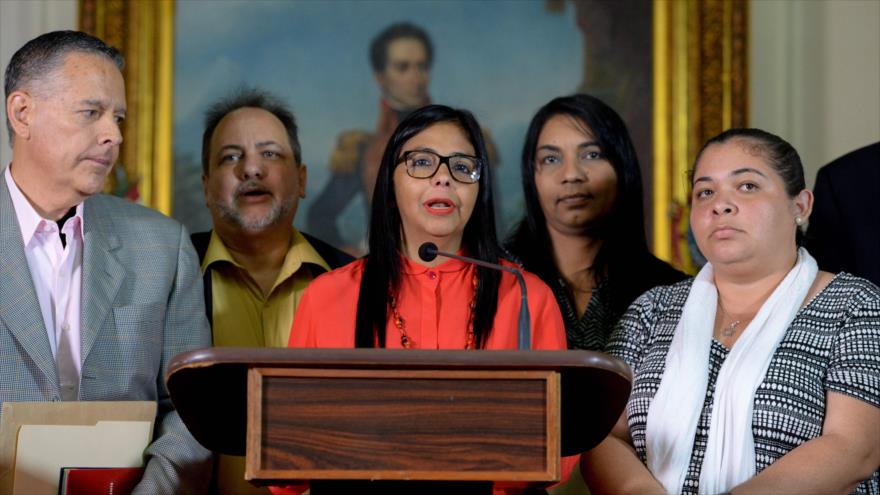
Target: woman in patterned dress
(584, 227)
(761, 374)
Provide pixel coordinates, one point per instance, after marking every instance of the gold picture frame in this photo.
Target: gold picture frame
(700, 89)
(144, 31)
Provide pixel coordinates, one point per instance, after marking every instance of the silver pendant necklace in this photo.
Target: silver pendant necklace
(729, 329)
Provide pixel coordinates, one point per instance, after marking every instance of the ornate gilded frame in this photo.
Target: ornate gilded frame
(700, 88)
(144, 31)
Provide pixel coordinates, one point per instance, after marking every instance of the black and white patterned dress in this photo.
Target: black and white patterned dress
(833, 344)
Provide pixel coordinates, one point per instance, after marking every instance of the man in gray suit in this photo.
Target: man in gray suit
(96, 294)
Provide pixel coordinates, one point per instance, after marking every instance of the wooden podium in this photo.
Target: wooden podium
(453, 420)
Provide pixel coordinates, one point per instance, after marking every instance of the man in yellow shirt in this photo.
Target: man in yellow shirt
(256, 264)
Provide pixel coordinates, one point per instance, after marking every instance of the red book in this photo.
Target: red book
(99, 481)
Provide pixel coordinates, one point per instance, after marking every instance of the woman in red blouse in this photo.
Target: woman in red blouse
(434, 185)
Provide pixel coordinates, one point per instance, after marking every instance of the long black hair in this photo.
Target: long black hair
(623, 231)
(382, 266)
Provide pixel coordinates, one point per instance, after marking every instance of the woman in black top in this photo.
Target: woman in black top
(584, 226)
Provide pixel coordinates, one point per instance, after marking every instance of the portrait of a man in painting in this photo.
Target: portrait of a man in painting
(352, 70)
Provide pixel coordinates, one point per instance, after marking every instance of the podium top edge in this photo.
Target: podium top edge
(395, 358)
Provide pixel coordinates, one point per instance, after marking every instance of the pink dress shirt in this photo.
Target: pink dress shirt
(56, 271)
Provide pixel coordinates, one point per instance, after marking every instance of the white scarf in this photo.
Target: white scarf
(675, 410)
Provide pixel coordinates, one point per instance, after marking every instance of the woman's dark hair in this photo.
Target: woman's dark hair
(777, 152)
(623, 230)
(382, 266)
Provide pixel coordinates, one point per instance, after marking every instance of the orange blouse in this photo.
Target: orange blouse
(434, 304)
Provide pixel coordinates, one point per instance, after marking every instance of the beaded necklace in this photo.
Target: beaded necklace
(407, 342)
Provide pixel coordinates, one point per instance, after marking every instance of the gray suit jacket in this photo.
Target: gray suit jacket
(141, 304)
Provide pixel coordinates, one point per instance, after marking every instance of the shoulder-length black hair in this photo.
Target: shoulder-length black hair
(624, 229)
(382, 267)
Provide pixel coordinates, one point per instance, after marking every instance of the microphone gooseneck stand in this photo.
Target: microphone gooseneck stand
(428, 252)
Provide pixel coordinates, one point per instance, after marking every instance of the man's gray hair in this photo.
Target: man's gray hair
(40, 57)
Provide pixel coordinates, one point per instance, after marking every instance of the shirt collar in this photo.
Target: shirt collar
(29, 221)
(451, 265)
(217, 252)
(300, 253)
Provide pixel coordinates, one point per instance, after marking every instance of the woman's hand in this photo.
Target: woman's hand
(614, 467)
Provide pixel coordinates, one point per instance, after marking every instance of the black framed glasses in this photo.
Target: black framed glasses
(424, 164)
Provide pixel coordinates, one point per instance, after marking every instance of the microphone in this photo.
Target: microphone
(428, 252)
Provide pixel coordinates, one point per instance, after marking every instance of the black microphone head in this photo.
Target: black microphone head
(428, 252)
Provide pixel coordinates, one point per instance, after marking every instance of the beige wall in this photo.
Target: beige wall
(20, 21)
(815, 75)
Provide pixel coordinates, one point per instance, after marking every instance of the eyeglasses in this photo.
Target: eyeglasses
(424, 164)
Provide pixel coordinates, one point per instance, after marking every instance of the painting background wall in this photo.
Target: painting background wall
(501, 60)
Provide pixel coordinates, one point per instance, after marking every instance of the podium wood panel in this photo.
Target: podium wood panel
(403, 425)
(209, 386)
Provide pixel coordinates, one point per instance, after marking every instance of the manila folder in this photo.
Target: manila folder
(49, 446)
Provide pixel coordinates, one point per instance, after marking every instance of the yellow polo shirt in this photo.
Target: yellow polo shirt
(242, 315)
